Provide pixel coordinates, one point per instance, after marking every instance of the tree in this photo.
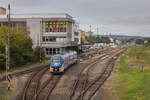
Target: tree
(147, 44)
(20, 45)
(37, 51)
(2, 56)
(91, 39)
(139, 41)
(105, 39)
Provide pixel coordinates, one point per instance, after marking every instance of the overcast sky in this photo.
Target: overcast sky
(126, 17)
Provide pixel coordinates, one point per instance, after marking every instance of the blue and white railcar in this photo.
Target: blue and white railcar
(60, 62)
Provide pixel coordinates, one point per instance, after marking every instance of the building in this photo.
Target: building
(89, 33)
(53, 32)
(2, 11)
(82, 34)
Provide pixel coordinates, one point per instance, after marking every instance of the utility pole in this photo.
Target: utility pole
(8, 51)
(41, 39)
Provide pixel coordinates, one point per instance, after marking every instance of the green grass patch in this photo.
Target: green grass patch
(5, 94)
(130, 82)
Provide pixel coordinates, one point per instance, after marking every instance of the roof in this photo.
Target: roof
(36, 15)
(2, 8)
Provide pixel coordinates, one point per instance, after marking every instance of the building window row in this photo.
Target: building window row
(52, 51)
(14, 24)
(54, 30)
(76, 33)
(54, 26)
(54, 39)
(76, 40)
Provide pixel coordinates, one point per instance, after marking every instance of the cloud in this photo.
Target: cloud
(119, 16)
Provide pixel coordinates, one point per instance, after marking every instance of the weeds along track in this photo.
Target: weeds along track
(32, 85)
(85, 90)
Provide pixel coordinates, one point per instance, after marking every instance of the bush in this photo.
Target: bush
(20, 46)
(2, 61)
(37, 51)
(2, 56)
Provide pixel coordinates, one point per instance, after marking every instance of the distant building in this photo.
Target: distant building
(53, 32)
(82, 34)
(145, 42)
(2, 11)
(89, 33)
(111, 40)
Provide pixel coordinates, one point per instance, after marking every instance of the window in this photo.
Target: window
(52, 51)
(76, 33)
(76, 40)
(49, 39)
(54, 26)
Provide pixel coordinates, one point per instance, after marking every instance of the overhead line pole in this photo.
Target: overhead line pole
(8, 51)
(41, 39)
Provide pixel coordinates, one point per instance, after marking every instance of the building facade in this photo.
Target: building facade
(53, 32)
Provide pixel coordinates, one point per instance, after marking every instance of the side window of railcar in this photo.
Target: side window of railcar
(71, 57)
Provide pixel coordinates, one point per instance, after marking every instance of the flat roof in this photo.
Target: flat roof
(2, 8)
(36, 15)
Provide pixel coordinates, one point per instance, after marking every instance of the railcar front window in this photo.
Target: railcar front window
(56, 59)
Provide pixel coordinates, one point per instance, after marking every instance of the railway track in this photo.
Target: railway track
(83, 89)
(34, 90)
(33, 83)
(47, 88)
(96, 84)
(22, 72)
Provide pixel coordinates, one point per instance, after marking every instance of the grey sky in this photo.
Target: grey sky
(131, 17)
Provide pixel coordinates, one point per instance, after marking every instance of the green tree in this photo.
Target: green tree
(91, 39)
(37, 51)
(148, 43)
(2, 56)
(139, 41)
(105, 39)
(20, 45)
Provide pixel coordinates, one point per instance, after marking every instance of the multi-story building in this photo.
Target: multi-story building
(53, 32)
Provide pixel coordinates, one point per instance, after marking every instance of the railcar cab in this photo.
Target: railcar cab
(55, 63)
(60, 62)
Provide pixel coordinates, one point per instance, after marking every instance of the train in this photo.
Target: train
(60, 62)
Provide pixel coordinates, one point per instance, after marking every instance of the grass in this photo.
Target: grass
(129, 81)
(5, 94)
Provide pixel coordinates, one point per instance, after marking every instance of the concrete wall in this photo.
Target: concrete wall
(69, 31)
(34, 26)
